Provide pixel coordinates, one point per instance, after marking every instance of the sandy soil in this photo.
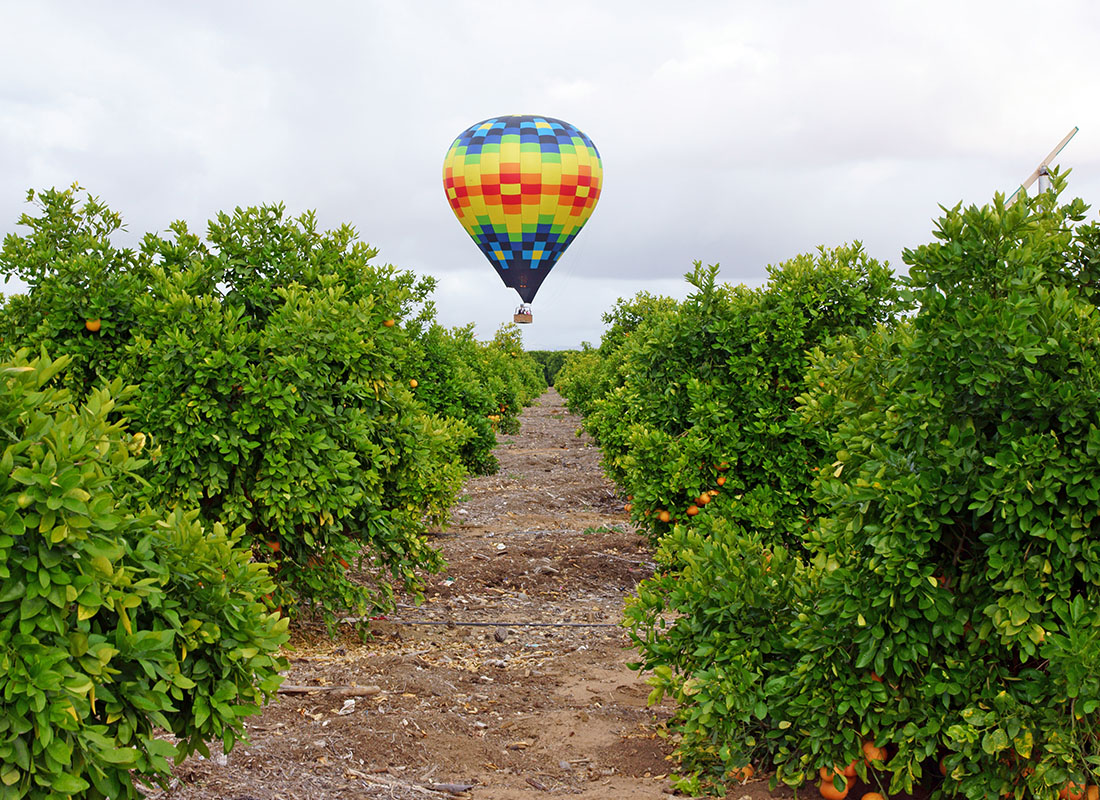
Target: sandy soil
(510, 682)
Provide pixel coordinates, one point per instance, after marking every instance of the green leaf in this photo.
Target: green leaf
(68, 784)
(994, 741)
(119, 755)
(1024, 743)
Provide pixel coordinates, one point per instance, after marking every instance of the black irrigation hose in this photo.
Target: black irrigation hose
(455, 624)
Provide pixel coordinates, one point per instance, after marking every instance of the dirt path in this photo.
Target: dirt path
(511, 679)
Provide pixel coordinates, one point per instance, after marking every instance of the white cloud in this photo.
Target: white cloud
(737, 133)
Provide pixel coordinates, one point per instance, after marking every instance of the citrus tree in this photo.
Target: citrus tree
(484, 384)
(278, 373)
(513, 376)
(551, 362)
(592, 373)
(936, 623)
(961, 542)
(115, 621)
(699, 416)
(272, 362)
(81, 287)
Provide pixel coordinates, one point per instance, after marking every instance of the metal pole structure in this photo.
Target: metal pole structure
(1044, 180)
(1042, 169)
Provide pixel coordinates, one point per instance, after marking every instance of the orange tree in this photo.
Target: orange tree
(701, 413)
(591, 373)
(271, 359)
(551, 362)
(114, 620)
(695, 410)
(272, 367)
(81, 287)
(940, 611)
(962, 539)
(477, 382)
(512, 375)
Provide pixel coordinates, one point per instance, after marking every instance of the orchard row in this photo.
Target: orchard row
(198, 431)
(876, 507)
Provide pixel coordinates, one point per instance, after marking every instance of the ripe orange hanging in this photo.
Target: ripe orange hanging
(829, 791)
(871, 753)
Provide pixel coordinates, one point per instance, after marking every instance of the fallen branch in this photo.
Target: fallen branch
(425, 789)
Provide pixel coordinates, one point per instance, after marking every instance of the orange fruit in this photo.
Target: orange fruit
(702, 499)
(829, 791)
(1071, 791)
(92, 325)
(943, 768)
(275, 547)
(628, 507)
(664, 516)
(692, 510)
(872, 796)
(1092, 792)
(872, 753)
(389, 323)
(742, 774)
(850, 770)
(876, 677)
(721, 480)
(413, 383)
(722, 467)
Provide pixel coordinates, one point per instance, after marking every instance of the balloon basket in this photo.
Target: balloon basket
(523, 319)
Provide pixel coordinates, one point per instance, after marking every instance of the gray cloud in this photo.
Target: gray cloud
(734, 133)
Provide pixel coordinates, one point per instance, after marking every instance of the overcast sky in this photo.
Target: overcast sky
(741, 133)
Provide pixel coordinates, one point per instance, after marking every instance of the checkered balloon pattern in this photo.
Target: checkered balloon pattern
(522, 187)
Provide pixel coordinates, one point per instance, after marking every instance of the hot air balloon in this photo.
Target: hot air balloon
(522, 187)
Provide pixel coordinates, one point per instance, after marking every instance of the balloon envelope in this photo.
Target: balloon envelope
(522, 187)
